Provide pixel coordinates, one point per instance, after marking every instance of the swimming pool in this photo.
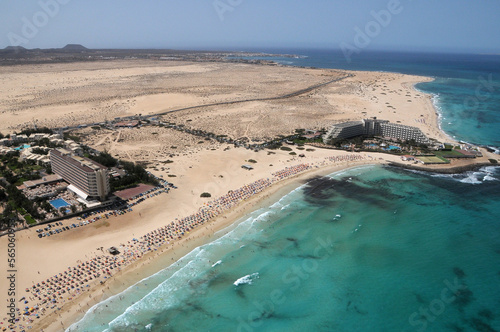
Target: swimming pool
(57, 203)
(25, 146)
(392, 147)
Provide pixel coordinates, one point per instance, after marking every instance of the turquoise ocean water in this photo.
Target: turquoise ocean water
(368, 249)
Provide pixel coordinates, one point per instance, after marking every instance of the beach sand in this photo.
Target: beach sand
(198, 166)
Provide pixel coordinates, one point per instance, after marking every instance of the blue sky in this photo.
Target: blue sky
(444, 25)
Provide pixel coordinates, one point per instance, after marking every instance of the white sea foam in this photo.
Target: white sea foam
(217, 263)
(115, 300)
(355, 171)
(497, 151)
(438, 175)
(357, 228)
(163, 296)
(485, 174)
(248, 279)
(263, 217)
(472, 178)
(188, 269)
(489, 178)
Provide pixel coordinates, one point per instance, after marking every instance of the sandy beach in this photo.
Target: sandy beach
(69, 94)
(145, 218)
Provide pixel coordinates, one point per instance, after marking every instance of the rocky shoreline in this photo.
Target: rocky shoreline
(448, 170)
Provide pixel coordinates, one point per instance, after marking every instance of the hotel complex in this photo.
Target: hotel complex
(87, 178)
(374, 127)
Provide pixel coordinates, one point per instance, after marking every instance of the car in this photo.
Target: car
(40, 235)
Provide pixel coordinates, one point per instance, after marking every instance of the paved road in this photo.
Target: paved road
(289, 95)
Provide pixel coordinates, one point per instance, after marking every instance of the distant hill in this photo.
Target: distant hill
(74, 48)
(14, 49)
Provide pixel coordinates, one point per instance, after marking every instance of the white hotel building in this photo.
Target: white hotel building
(374, 127)
(87, 178)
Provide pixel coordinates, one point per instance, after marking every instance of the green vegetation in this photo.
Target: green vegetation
(433, 160)
(449, 154)
(205, 195)
(285, 148)
(16, 172)
(105, 159)
(40, 151)
(339, 142)
(252, 161)
(293, 153)
(28, 132)
(448, 147)
(16, 203)
(493, 161)
(47, 143)
(72, 137)
(29, 219)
